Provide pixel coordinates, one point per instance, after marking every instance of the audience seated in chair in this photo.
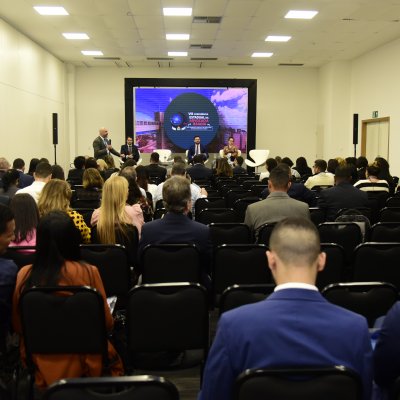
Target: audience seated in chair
(199, 170)
(294, 326)
(320, 177)
(237, 166)
(75, 175)
(154, 169)
(24, 179)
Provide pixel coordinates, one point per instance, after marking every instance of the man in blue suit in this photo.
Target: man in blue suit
(196, 148)
(293, 327)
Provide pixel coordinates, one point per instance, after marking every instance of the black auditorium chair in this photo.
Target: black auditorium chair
(385, 232)
(307, 383)
(239, 264)
(207, 202)
(264, 233)
(209, 215)
(229, 233)
(162, 263)
(370, 299)
(335, 266)
(21, 255)
(317, 215)
(240, 205)
(258, 189)
(389, 214)
(393, 201)
(170, 320)
(236, 193)
(239, 295)
(139, 387)
(377, 262)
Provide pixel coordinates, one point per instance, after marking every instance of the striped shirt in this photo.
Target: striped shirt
(367, 185)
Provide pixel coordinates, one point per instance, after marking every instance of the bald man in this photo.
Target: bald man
(294, 327)
(102, 145)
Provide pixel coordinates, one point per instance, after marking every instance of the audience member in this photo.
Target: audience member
(57, 172)
(75, 175)
(196, 191)
(302, 167)
(332, 165)
(372, 183)
(197, 149)
(10, 183)
(155, 170)
(230, 150)
(114, 212)
(42, 175)
(24, 179)
(56, 195)
(270, 164)
(199, 170)
(91, 162)
(293, 327)
(320, 177)
(342, 195)
(32, 166)
(289, 162)
(387, 352)
(384, 173)
(237, 166)
(111, 168)
(4, 167)
(57, 263)
(142, 176)
(362, 164)
(129, 151)
(102, 145)
(223, 169)
(90, 194)
(351, 162)
(176, 227)
(26, 216)
(278, 205)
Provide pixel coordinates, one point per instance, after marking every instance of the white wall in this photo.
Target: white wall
(31, 89)
(287, 104)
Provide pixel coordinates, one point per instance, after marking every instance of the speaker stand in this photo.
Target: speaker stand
(55, 154)
(355, 151)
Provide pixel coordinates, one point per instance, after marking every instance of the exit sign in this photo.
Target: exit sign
(374, 114)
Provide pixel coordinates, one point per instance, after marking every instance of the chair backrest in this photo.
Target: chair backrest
(62, 320)
(258, 189)
(331, 383)
(159, 213)
(170, 263)
(376, 201)
(167, 317)
(389, 214)
(239, 264)
(210, 215)
(317, 215)
(346, 234)
(21, 255)
(139, 387)
(240, 205)
(239, 295)
(370, 299)
(393, 201)
(385, 232)
(207, 202)
(112, 262)
(264, 233)
(236, 193)
(377, 262)
(86, 214)
(335, 265)
(249, 183)
(229, 233)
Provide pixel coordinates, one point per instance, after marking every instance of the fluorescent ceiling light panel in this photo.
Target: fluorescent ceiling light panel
(177, 53)
(177, 36)
(301, 14)
(272, 38)
(92, 53)
(262, 54)
(76, 36)
(177, 12)
(45, 10)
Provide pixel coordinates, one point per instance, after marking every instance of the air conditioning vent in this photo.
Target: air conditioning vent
(201, 46)
(290, 65)
(204, 58)
(207, 20)
(159, 58)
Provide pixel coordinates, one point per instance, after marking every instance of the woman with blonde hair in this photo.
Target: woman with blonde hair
(114, 214)
(90, 194)
(56, 195)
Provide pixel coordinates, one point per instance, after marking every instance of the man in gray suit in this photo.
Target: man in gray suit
(102, 145)
(278, 205)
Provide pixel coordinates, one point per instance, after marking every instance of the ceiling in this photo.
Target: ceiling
(133, 31)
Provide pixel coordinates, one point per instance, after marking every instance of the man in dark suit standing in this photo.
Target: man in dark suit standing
(196, 148)
(155, 170)
(24, 179)
(102, 145)
(293, 327)
(342, 195)
(199, 170)
(129, 150)
(176, 227)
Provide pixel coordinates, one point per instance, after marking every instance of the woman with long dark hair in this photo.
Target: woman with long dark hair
(10, 183)
(57, 263)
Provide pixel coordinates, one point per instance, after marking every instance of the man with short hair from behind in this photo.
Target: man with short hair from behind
(154, 169)
(75, 175)
(278, 205)
(320, 177)
(41, 175)
(294, 327)
(24, 179)
(199, 170)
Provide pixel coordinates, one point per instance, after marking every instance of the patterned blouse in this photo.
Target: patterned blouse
(81, 225)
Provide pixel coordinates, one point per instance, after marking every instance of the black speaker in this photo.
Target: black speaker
(55, 128)
(355, 128)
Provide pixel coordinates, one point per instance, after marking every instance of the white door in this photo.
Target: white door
(376, 139)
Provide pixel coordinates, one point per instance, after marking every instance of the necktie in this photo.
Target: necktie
(130, 150)
(197, 149)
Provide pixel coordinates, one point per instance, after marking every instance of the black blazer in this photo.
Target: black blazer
(125, 152)
(199, 171)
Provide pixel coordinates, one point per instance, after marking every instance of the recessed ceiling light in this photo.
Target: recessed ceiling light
(301, 14)
(177, 36)
(92, 52)
(177, 53)
(76, 36)
(262, 54)
(44, 10)
(277, 38)
(177, 12)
